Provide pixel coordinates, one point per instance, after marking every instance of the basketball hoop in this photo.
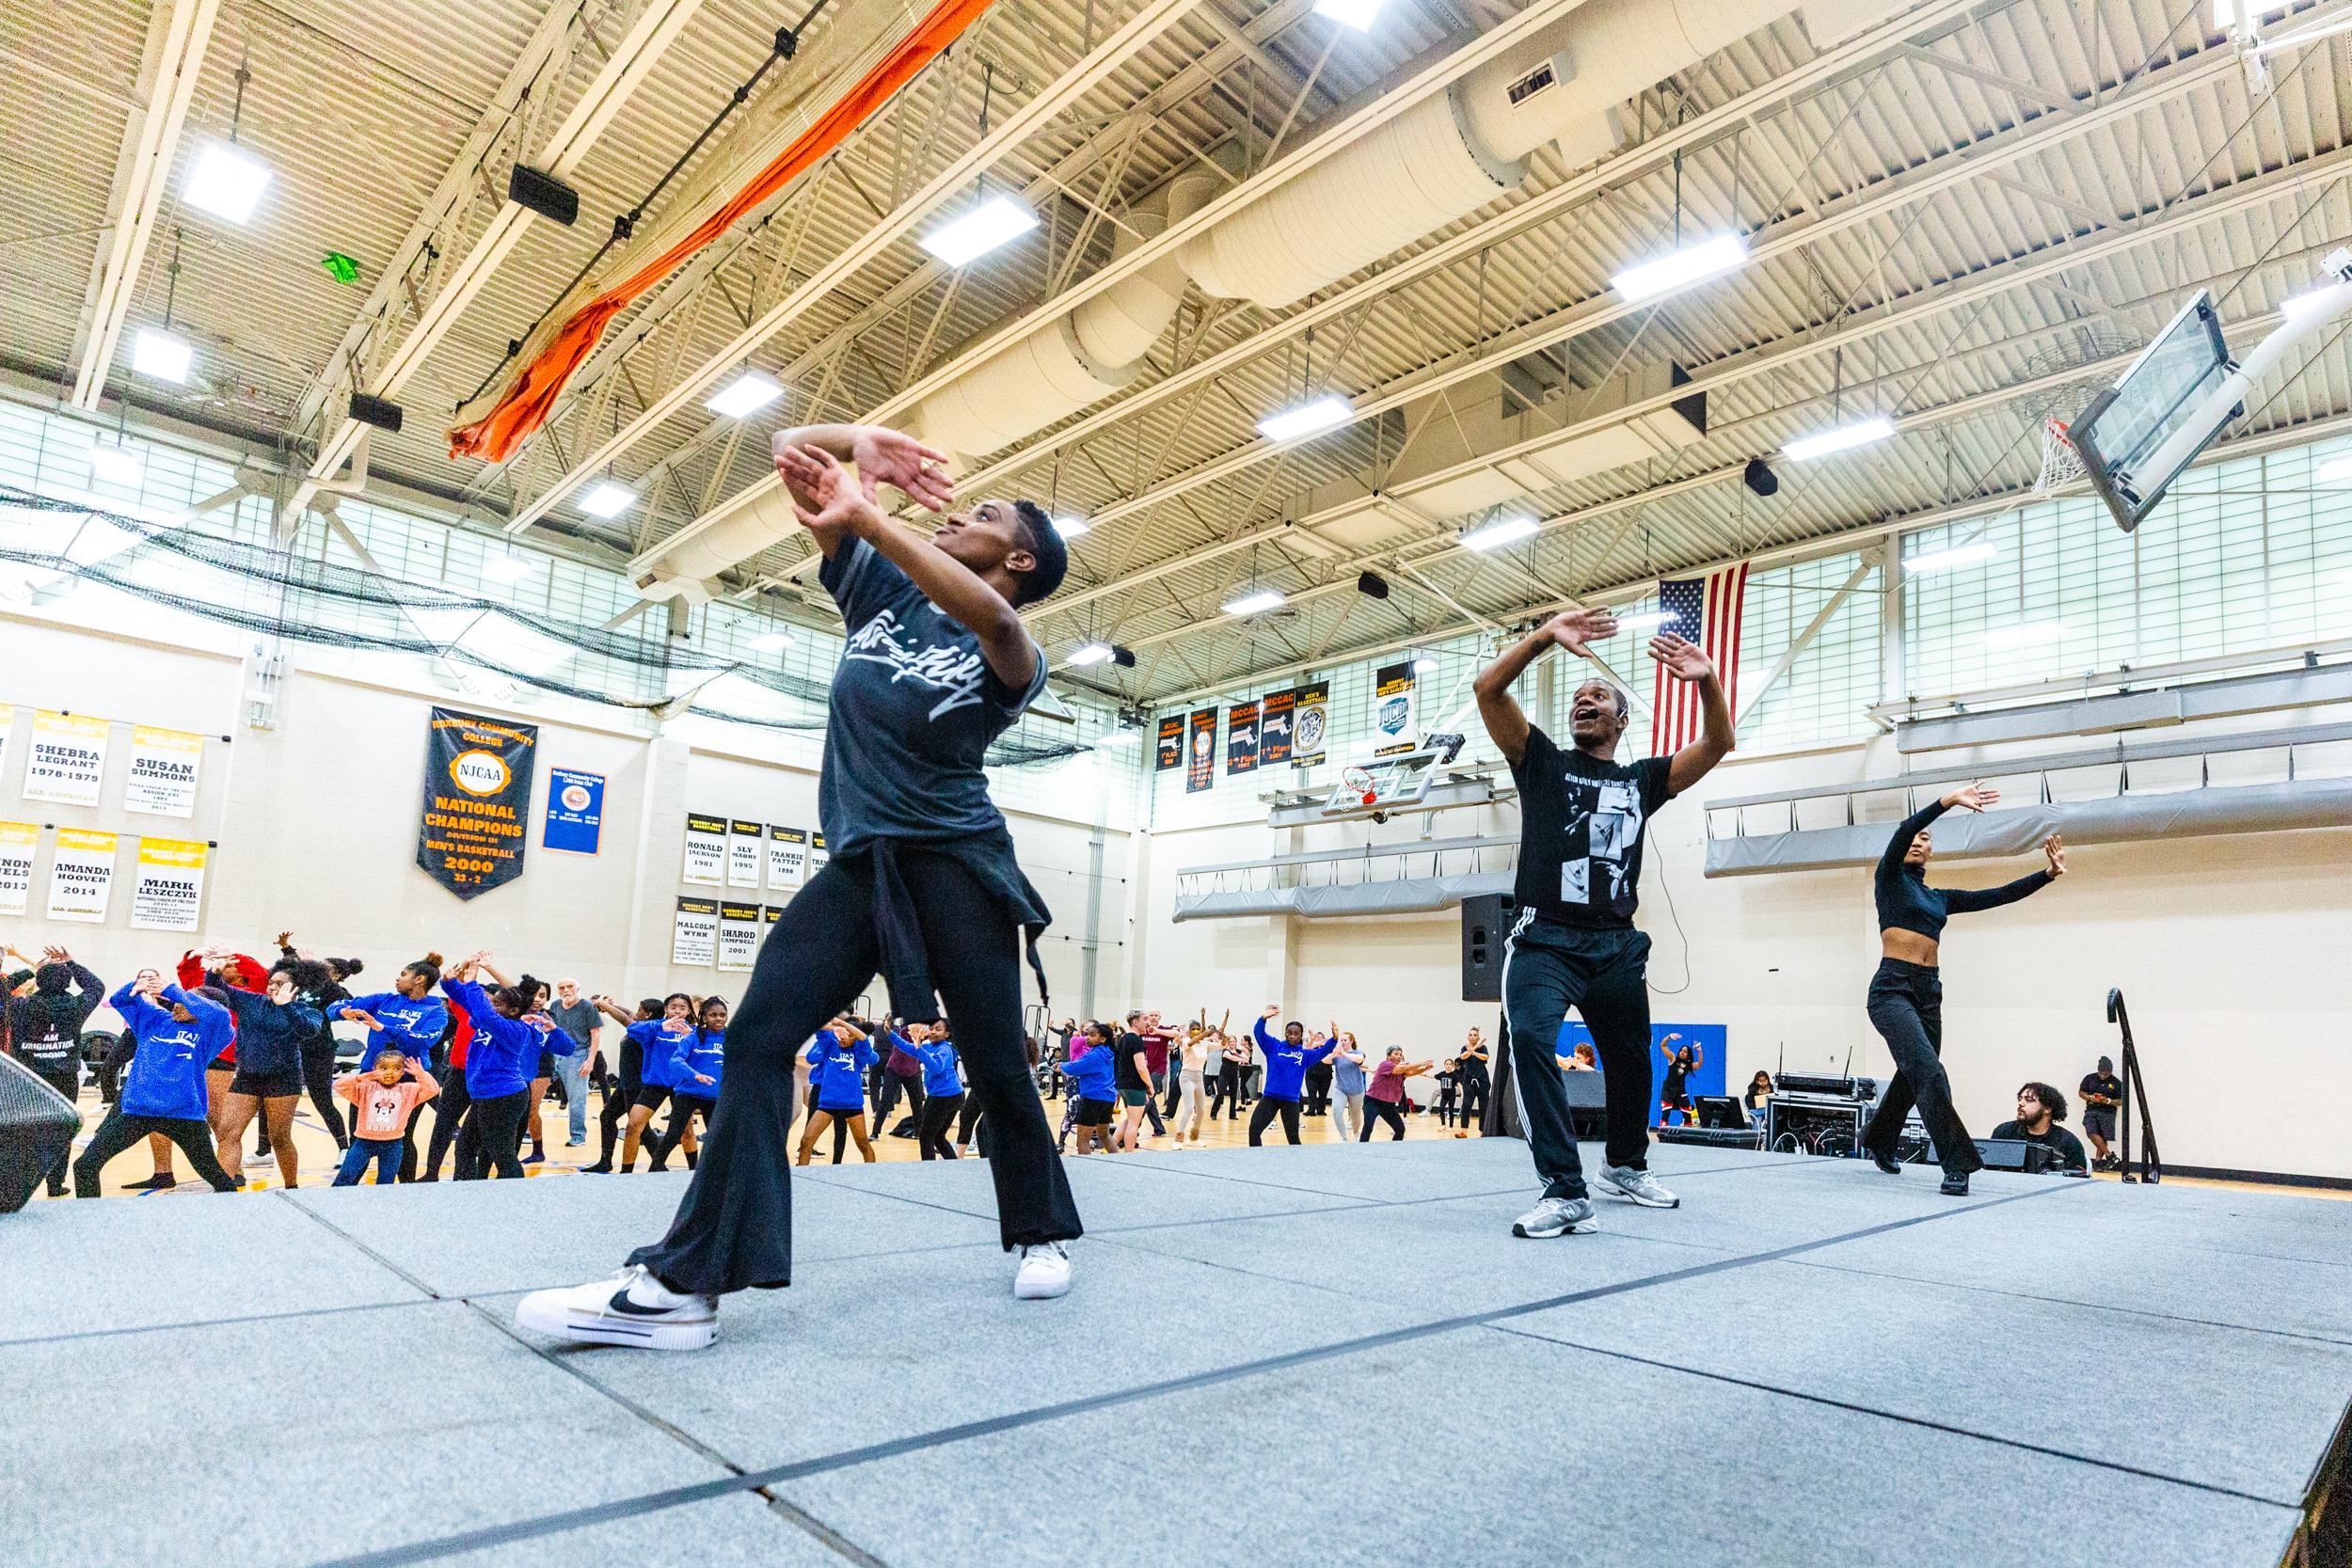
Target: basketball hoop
(2061, 465)
(1360, 780)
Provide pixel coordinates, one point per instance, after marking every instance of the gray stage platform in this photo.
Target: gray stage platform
(1313, 1356)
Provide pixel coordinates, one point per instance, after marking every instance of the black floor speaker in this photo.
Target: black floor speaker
(37, 1127)
(1486, 921)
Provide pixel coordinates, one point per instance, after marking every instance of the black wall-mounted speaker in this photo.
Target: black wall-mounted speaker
(1761, 478)
(540, 192)
(1372, 585)
(1486, 921)
(379, 412)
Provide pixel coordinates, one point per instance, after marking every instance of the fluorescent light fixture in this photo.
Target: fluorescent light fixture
(2335, 468)
(1502, 530)
(1424, 665)
(746, 395)
(607, 500)
(979, 231)
(1644, 619)
(111, 463)
(1678, 269)
(226, 181)
(770, 642)
(1958, 555)
(2224, 15)
(162, 355)
(1086, 654)
(510, 568)
(1070, 525)
(1256, 602)
(2024, 636)
(1307, 417)
(1358, 14)
(1861, 433)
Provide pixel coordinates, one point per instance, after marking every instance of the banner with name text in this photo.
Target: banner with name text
(68, 759)
(694, 932)
(817, 854)
(18, 840)
(81, 876)
(1310, 724)
(1274, 728)
(1171, 749)
(746, 851)
(471, 834)
(164, 767)
(1241, 738)
(739, 935)
(705, 850)
(169, 893)
(788, 857)
(1200, 751)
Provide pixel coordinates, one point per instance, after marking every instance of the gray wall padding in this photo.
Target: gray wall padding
(1407, 896)
(2186, 813)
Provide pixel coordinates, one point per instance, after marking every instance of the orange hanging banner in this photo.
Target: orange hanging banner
(530, 395)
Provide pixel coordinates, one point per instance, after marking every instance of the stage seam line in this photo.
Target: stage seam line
(354, 1241)
(1897, 1415)
(653, 1502)
(7, 1345)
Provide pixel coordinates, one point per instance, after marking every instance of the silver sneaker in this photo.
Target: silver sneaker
(1637, 1185)
(1555, 1217)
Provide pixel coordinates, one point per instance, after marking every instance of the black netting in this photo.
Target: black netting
(307, 584)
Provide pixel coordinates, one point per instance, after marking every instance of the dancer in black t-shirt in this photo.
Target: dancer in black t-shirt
(1682, 1059)
(1582, 819)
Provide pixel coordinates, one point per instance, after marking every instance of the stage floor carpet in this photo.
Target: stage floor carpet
(1311, 1356)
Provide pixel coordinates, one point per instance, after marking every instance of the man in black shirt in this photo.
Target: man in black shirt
(1582, 819)
(2101, 1092)
(2040, 1109)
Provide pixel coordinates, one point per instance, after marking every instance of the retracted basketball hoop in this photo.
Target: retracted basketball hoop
(2061, 465)
(1359, 782)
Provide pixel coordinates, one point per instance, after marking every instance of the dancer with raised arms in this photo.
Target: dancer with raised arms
(922, 884)
(1906, 1001)
(1582, 819)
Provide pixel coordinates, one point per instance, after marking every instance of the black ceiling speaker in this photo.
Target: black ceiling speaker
(1123, 657)
(1761, 478)
(379, 412)
(1372, 585)
(537, 191)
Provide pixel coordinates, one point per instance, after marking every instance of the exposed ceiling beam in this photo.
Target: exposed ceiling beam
(178, 33)
(1153, 18)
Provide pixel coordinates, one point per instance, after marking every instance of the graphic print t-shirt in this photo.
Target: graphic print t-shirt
(915, 706)
(1581, 825)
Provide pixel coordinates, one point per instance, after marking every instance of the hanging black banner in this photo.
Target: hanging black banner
(477, 793)
(1172, 742)
(1274, 727)
(1241, 738)
(1201, 762)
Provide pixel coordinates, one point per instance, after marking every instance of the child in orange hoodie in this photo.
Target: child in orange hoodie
(383, 1099)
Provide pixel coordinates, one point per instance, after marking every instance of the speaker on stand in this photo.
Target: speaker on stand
(1485, 921)
(37, 1127)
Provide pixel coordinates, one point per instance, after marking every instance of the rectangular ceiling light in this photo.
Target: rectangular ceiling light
(510, 568)
(1678, 269)
(1256, 602)
(2335, 468)
(1958, 555)
(979, 231)
(1091, 653)
(770, 642)
(1306, 419)
(226, 181)
(111, 463)
(1844, 438)
(746, 395)
(607, 500)
(1358, 14)
(1071, 526)
(162, 355)
(1502, 530)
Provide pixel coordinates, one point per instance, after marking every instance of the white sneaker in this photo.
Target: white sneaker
(632, 1308)
(1556, 1216)
(1636, 1185)
(1044, 1273)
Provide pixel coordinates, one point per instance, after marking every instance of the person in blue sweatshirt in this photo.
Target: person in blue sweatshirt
(1286, 1064)
(698, 1060)
(837, 1060)
(507, 1040)
(659, 1045)
(943, 1090)
(1094, 1079)
(177, 1034)
(272, 1025)
(408, 1018)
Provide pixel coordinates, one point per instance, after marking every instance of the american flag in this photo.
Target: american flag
(1706, 611)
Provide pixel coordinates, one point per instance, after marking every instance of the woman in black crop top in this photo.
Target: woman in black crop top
(1906, 1001)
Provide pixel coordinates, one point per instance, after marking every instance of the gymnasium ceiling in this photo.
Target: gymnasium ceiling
(1954, 216)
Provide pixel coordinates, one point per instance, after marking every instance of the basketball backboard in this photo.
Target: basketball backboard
(1380, 785)
(2134, 437)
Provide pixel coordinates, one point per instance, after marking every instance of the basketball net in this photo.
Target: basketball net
(2061, 465)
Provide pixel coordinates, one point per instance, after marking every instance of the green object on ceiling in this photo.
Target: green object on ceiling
(341, 267)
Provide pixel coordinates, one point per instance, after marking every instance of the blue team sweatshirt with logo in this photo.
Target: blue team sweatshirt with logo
(660, 1046)
(705, 1051)
(411, 1025)
(504, 1050)
(838, 1071)
(168, 1076)
(1286, 1064)
(939, 1066)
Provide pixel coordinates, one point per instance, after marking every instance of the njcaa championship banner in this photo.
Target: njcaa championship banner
(162, 781)
(1241, 738)
(1311, 722)
(705, 850)
(1172, 743)
(744, 852)
(17, 842)
(477, 796)
(739, 935)
(788, 857)
(169, 893)
(81, 876)
(694, 932)
(1393, 709)
(68, 758)
(1200, 751)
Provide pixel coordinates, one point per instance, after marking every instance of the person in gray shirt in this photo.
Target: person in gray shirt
(577, 1016)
